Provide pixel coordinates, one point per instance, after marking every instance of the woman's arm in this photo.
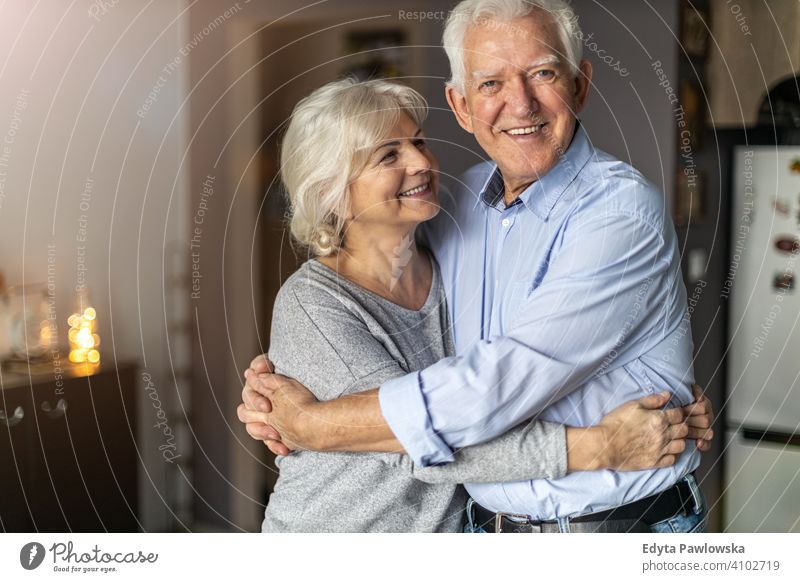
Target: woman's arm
(634, 436)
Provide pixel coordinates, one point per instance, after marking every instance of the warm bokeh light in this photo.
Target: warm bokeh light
(83, 340)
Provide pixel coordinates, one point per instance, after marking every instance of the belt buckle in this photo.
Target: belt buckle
(523, 521)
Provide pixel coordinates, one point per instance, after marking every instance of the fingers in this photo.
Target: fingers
(674, 415)
(699, 408)
(699, 421)
(261, 365)
(247, 415)
(654, 401)
(676, 447)
(666, 461)
(704, 434)
(703, 445)
(697, 392)
(257, 430)
(277, 447)
(677, 431)
(262, 432)
(258, 395)
(264, 384)
(254, 401)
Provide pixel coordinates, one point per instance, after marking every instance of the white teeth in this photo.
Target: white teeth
(525, 130)
(413, 191)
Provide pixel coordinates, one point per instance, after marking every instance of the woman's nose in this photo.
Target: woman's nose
(418, 161)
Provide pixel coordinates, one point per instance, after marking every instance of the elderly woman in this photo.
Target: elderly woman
(371, 306)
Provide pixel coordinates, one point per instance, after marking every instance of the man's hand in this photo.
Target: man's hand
(254, 402)
(699, 419)
(292, 405)
(250, 396)
(639, 435)
(291, 415)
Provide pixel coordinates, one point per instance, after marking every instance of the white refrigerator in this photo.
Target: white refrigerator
(762, 408)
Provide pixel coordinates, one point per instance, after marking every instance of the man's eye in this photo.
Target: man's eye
(488, 86)
(544, 75)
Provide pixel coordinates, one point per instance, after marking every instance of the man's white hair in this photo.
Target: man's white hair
(330, 137)
(472, 12)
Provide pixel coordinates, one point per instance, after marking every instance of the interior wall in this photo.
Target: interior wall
(629, 113)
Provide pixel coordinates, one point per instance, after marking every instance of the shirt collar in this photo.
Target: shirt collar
(542, 195)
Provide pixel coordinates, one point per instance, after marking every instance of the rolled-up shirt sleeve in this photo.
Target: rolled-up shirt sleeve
(600, 303)
(404, 409)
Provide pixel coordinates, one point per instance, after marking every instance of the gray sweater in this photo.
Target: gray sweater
(338, 338)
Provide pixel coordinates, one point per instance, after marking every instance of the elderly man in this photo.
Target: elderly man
(564, 289)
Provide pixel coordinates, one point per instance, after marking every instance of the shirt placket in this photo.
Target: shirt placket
(506, 220)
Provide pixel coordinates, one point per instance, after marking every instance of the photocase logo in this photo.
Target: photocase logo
(31, 555)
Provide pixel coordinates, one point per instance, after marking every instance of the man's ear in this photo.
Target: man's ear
(583, 81)
(458, 103)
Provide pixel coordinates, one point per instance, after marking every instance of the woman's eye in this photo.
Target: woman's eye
(419, 143)
(389, 158)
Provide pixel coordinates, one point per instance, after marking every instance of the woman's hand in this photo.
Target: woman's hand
(639, 435)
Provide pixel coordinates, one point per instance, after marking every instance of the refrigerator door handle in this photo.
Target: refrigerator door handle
(770, 437)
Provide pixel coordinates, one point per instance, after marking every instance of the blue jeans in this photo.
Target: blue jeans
(694, 522)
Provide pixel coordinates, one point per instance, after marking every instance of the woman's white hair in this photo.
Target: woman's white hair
(330, 137)
(472, 12)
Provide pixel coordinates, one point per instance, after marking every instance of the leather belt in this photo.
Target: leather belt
(638, 514)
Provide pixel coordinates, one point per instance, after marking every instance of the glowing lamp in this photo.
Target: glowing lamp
(83, 339)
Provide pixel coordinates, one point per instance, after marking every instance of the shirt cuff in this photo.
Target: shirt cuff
(404, 408)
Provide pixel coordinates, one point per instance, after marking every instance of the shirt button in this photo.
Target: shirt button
(506, 222)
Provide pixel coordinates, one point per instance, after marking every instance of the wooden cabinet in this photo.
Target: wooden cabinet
(15, 467)
(68, 455)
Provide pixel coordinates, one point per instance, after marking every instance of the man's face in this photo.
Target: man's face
(520, 98)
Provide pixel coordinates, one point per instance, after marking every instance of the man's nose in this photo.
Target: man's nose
(520, 98)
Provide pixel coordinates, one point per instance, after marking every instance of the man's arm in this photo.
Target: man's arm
(603, 294)
(634, 436)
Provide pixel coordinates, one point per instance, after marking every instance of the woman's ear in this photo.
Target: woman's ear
(345, 211)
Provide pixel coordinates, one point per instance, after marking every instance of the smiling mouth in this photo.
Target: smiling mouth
(416, 191)
(525, 130)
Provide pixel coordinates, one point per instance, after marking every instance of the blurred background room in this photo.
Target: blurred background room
(142, 234)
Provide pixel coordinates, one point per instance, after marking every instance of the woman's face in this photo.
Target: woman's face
(399, 185)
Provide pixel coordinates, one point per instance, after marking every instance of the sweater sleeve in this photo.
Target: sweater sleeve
(533, 450)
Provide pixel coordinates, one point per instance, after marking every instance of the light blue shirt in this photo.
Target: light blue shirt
(564, 305)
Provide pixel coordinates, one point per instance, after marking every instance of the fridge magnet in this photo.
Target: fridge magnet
(781, 206)
(783, 281)
(794, 166)
(787, 244)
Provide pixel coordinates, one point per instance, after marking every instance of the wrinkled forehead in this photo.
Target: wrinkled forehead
(521, 41)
